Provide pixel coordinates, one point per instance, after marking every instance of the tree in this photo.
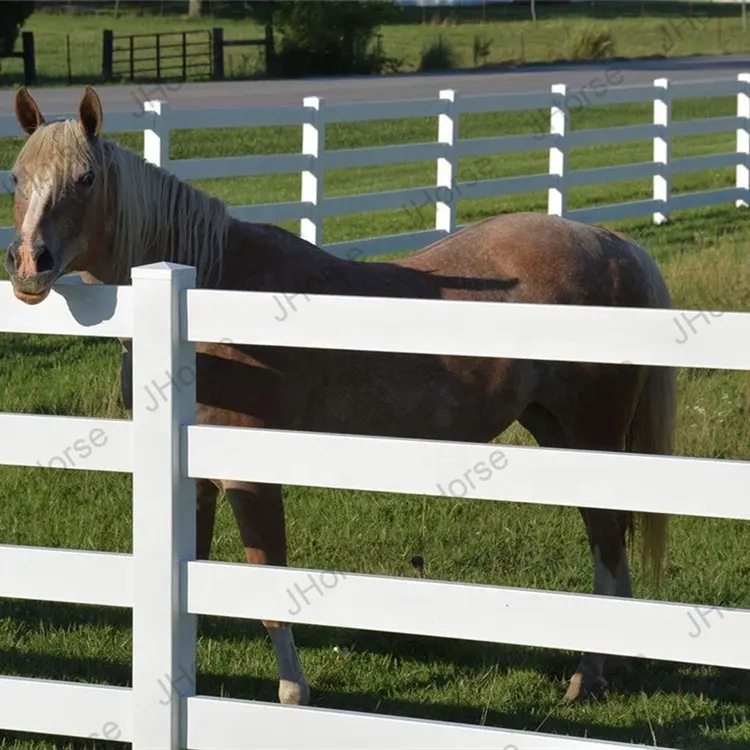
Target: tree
(13, 15)
(195, 8)
(326, 38)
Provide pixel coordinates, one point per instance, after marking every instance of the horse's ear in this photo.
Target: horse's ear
(28, 114)
(90, 113)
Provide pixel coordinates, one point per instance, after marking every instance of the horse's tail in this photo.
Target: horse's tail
(652, 431)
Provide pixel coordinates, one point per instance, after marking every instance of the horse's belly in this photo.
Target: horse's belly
(464, 399)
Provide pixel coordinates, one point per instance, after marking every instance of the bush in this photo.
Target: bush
(439, 55)
(482, 46)
(327, 38)
(13, 15)
(592, 43)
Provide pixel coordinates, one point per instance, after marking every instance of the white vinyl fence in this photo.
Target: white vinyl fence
(165, 451)
(158, 120)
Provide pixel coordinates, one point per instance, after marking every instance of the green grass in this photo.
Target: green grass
(704, 255)
(638, 29)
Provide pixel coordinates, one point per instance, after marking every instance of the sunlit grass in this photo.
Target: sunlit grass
(704, 256)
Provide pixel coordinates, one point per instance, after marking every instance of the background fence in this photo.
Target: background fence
(165, 451)
(313, 160)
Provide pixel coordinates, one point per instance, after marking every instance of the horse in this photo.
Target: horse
(83, 204)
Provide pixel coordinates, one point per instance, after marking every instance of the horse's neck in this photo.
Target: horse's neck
(264, 257)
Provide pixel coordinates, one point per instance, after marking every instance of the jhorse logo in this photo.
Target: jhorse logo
(82, 448)
(142, 96)
(689, 322)
(287, 304)
(702, 613)
(671, 31)
(458, 487)
(314, 586)
(579, 98)
(185, 376)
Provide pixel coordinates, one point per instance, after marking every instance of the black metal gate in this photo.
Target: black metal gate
(158, 57)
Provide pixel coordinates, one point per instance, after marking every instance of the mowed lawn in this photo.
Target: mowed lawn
(704, 255)
(507, 31)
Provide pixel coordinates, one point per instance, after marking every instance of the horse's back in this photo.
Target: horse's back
(545, 259)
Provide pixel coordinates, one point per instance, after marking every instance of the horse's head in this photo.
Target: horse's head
(59, 207)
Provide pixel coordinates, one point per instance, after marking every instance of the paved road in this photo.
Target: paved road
(384, 88)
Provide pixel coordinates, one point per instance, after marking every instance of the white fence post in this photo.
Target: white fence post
(662, 183)
(447, 165)
(558, 152)
(743, 141)
(313, 145)
(156, 138)
(163, 507)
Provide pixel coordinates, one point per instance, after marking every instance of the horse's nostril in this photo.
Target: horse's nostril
(13, 249)
(44, 260)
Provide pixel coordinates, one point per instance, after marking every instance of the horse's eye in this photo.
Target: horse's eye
(86, 178)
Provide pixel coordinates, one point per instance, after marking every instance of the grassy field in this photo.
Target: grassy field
(704, 255)
(638, 30)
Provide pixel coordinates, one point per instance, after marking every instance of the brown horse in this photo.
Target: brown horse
(84, 204)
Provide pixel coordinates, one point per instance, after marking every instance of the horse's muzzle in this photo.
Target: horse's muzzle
(31, 299)
(32, 270)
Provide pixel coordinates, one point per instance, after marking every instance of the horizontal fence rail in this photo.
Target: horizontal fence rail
(549, 476)
(71, 576)
(474, 612)
(67, 442)
(584, 333)
(167, 588)
(213, 722)
(66, 708)
(165, 450)
(157, 120)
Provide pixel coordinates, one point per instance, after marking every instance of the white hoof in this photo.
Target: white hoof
(294, 693)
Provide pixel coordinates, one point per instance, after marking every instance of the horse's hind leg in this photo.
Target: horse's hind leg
(259, 512)
(606, 530)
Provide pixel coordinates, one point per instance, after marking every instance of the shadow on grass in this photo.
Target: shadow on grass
(627, 676)
(527, 719)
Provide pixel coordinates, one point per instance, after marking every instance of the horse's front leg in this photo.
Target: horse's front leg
(259, 512)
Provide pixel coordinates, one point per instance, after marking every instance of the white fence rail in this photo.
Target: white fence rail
(165, 451)
(159, 120)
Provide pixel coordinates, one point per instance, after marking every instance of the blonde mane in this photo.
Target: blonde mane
(156, 217)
